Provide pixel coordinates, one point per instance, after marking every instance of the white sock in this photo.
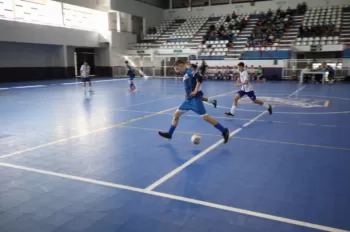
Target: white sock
(233, 109)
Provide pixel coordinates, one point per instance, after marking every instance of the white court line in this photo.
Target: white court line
(188, 163)
(254, 119)
(265, 112)
(28, 86)
(297, 91)
(4, 88)
(206, 151)
(219, 117)
(178, 198)
(93, 131)
(78, 82)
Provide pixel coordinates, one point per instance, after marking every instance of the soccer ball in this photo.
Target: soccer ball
(196, 139)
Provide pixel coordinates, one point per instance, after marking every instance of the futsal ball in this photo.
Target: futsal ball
(196, 139)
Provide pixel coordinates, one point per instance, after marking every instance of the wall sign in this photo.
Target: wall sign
(315, 48)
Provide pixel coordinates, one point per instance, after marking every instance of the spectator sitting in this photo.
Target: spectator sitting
(223, 36)
(289, 11)
(269, 13)
(230, 35)
(234, 16)
(212, 36)
(228, 19)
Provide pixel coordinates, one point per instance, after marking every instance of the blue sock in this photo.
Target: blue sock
(220, 128)
(171, 130)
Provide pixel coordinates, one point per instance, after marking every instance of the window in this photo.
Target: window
(220, 2)
(164, 4)
(180, 3)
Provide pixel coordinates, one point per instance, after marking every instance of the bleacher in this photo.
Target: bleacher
(345, 29)
(329, 17)
(189, 33)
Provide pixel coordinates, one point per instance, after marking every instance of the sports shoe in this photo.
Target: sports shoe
(228, 114)
(270, 109)
(215, 103)
(165, 135)
(226, 135)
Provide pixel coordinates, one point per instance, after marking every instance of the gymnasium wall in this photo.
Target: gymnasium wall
(24, 61)
(41, 34)
(246, 7)
(152, 14)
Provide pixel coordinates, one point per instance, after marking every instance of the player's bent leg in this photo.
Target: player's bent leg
(256, 101)
(234, 105)
(269, 107)
(176, 117)
(175, 122)
(225, 132)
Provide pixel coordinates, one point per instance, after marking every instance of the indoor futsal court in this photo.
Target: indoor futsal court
(71, 162)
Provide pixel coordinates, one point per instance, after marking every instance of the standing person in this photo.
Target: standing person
(85, 75)
(192, 102)
(246, 89)
(260, 73)
(131, 74)
(203, 68)
(199, 76)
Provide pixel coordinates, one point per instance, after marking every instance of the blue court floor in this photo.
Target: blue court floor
(71, 162)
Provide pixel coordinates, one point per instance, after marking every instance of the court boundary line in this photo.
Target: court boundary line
(188, 163)
(97, 130)
(240, 119)
(206, 151)
(245, 138)
(177, 198)
(291, 143)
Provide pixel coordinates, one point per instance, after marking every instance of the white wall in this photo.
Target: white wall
(92, 4)
(247, 8)
(103, 56)
(12, 31)
(152, 14)
(120, 43)
(30, 55)
(255, 63)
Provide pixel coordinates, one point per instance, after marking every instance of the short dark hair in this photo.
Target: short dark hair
(126, 62)
(194, 66)
(179, 62)
(240, 64)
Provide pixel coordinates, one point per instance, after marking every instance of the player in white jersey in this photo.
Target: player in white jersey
(85, 75)
(246, 89)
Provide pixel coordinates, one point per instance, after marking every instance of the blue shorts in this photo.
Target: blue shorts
(250, 94)
(194, 104)
(131, 78)
(86, 79)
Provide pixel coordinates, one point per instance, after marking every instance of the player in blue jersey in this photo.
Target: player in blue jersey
(197, 75)
(131, 74)
(192, 102)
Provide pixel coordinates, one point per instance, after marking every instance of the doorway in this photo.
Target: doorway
(80, 56)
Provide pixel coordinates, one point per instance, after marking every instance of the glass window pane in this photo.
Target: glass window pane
(220, 2)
